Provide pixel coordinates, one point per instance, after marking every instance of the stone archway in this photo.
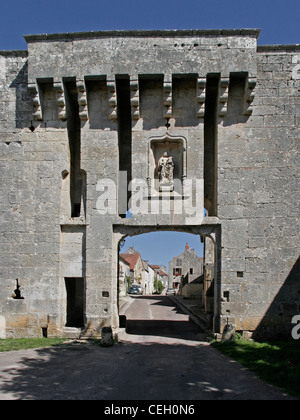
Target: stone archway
(206, 230)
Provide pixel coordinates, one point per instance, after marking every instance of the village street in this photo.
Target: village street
(162, 356)
(157, 319)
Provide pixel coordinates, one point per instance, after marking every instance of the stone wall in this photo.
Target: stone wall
(31, 167)
(77, 109)
(259, 204)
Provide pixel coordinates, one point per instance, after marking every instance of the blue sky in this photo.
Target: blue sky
(160, 247)
(279, 20)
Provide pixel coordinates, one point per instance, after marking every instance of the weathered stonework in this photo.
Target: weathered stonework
(77, 109)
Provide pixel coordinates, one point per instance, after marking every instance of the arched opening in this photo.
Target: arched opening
(160, 251)
(182, 261)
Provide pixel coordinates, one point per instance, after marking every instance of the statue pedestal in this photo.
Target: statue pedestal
(166, 187)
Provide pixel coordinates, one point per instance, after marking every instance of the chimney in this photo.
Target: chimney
(187, 247)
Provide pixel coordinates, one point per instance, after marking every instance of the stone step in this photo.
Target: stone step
(72, 332)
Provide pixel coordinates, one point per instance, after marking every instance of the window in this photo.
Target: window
(177, 272)
(178, 262)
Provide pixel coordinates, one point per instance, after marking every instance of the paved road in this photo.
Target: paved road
(157, 319)
(161, 357)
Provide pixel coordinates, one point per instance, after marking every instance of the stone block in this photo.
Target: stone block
(107, 339)
(2, 327)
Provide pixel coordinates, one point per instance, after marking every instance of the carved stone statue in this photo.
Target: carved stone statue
(166, 173)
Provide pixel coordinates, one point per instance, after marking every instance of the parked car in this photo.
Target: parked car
(136, 290)
(170, 292)
(133, 290)
(140, 289)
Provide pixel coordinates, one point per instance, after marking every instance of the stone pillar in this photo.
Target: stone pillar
(100, 160)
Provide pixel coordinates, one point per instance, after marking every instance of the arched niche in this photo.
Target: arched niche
(175, 146)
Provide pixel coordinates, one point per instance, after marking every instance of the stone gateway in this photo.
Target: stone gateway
(85, 113)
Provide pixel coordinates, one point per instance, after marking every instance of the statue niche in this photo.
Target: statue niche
(167, 163)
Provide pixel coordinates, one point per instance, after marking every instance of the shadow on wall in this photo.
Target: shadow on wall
(23, 112)
(277, 322)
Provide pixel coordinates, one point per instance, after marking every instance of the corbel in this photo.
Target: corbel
(201, 96)
(223, 96)
(37, 108)
(168, 99)
(135, 98)
(249, 96)
(112, 99)
(82, 100)
(60, 100)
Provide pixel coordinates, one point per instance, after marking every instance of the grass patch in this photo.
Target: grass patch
(29, 343)
(278, 363)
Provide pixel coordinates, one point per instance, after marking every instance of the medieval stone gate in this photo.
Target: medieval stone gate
(209, 234)
(162, 124)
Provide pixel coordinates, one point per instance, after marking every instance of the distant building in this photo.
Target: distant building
(149, 275)
(139, 270)
(124, 274)
(161, 274)
(164, 278)
(134, 259)
(187, 265)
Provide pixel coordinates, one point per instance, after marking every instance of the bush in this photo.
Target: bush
(158, 286)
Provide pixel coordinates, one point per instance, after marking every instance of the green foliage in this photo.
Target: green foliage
(275, 362)
(158, 286)
(128, 283)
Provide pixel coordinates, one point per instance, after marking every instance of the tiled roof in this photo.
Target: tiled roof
(132, 259)
(163, 273)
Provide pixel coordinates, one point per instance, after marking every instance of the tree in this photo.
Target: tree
(128, 283)
(158, 286)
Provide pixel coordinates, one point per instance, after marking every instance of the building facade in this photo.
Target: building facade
(136, 265)
(187, 266)
(140, 272)
(164, 124)
(124, 276)
(149, 276)
(161, 275)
